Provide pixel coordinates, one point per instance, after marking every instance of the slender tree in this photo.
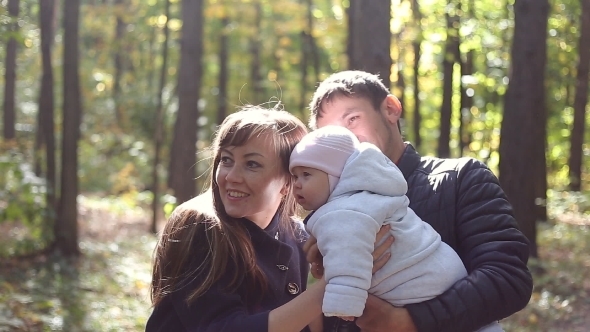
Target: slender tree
(159, 127)
(66, 225)
(448, 63)
(46, 125)
(255, 50)
(524, 100)
(120, 27)
(223, 69)
(183, 157)
(399, 66)
(581, 100)
(466, 98)
(10, 72)
(369, 37)
(417, 45)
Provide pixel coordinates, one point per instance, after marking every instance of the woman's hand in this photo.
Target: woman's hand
(381, 254)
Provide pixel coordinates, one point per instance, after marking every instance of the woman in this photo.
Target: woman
(231, 259)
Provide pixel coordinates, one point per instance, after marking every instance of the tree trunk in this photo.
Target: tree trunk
(255, 46)
(183, 156)
(466, 104)
(450, 57)
(118, 61)
(303, 66)
(369, 40)
(223, 70)
(159, 127)
(46, 124)
(417, 45)
(66, 226)
(401, 81)
(313, 46)
(524, 99)
(580, 100)
(10, 72)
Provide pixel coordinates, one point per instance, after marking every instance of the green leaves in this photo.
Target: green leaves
(23, 226)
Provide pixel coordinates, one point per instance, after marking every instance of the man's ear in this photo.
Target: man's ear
(392, 108)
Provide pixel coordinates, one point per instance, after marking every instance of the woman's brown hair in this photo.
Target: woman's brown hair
(200, 240)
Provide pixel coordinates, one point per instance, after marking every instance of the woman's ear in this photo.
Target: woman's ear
(286, 187)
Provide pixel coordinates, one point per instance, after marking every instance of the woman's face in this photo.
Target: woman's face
(251, 180)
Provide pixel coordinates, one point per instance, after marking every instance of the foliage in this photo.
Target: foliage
(108, 288)
(106, 291)
(108, 147)
(23, 216)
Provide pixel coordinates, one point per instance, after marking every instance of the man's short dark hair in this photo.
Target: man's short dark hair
(349, 83)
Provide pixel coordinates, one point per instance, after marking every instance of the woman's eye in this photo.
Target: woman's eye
(224, 160)
(253, 164)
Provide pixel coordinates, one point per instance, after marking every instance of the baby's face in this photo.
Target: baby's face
(311, 188)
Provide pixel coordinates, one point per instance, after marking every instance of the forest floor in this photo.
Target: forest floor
(107, 289)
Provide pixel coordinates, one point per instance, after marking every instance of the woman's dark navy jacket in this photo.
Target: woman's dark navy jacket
(463, 201)
(280, 256)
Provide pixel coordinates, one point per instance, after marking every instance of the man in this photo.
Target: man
(460, 198)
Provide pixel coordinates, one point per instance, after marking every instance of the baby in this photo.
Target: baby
(353, 189)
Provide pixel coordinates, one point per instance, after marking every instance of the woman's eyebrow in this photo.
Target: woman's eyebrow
(253, 154)
(226, 151)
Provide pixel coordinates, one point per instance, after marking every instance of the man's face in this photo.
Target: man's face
(360, 117)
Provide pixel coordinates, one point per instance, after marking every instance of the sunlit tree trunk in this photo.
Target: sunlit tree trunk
(524, 100)
(159, 125)
(449, 59)
(303, 65)
(580, 101)
(417, 45)
(46, 104)
(66, 226)
(10, 72)
(313, 46)
(118, 60)
(183, 157)
(255, 48)
(466, 104)
(466, 96)
(223, 70)
(309, 58)
(369, 39)
(400, 63)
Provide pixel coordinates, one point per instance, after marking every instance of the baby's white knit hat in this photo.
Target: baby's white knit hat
(326, 149)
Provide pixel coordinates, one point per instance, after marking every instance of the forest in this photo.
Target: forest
(109, 107)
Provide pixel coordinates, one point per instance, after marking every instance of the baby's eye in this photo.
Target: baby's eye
(306, 174)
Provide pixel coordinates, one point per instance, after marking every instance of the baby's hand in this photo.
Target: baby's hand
(347, 318)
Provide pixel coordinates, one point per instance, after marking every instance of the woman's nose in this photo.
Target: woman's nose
(233, 175)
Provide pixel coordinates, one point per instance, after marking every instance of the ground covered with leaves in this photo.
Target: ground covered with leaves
(107, 288)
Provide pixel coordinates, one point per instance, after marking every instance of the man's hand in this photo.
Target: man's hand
(381, 254)
(380, 316)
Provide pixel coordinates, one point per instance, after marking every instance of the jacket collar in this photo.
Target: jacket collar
(270, 230)
(409, 160)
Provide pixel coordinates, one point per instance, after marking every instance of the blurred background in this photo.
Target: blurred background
(109, 107)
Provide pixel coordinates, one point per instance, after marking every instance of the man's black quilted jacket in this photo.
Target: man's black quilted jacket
(463, 201)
